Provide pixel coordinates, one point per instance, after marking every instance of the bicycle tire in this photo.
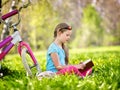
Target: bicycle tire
(25, 62)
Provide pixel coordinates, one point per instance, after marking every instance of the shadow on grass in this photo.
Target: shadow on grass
(5, 71)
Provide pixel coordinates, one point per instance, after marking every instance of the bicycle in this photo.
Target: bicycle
(23, 48)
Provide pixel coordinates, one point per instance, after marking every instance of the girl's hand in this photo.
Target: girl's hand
(81, 66)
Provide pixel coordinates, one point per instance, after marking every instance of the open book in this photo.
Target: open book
(89, 64)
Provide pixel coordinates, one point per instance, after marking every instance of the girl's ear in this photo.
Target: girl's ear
(59, 33)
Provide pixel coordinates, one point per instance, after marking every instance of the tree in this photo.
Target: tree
(42, 23)
(90, 32)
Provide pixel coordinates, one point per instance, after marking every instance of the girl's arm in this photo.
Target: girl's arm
(58, 66)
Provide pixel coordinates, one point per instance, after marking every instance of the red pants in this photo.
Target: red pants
(74, 70)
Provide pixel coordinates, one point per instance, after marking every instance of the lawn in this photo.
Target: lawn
(105, 76)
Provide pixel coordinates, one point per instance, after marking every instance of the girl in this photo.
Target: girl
(57, 54)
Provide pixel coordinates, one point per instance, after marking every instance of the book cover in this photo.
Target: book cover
(88, 64)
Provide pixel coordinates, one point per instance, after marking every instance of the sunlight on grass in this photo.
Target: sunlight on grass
(105, 74)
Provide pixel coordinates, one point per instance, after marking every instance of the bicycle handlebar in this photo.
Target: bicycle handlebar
(9, 14)
(14, 12)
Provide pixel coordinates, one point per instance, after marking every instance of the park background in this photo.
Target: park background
(94, 22)
(96, 36)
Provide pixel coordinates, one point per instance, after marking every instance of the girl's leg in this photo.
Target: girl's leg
(74, 70)
(70, 70)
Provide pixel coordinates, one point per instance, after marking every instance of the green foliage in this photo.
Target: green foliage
(113, 36)
(91, 32)
(42, 19)
(105, 74)
(91, 27)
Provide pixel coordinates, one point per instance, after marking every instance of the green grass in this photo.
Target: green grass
(106, 72)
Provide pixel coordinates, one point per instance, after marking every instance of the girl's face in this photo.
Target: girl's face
(65, 36)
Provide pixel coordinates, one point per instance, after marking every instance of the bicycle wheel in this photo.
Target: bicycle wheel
(28, 63)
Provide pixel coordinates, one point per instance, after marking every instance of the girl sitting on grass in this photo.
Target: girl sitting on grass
(57, 54)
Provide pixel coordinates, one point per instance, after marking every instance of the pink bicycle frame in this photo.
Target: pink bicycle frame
(7, 49)
(10, 41)
(9, 38)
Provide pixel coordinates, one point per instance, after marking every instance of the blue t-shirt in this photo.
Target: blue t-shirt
(54, 48)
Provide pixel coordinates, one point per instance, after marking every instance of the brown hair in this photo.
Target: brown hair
(63, 27)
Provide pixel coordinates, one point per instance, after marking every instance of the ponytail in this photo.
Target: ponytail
(66, 54)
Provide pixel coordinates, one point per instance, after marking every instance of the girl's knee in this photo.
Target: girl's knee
(72, 68)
